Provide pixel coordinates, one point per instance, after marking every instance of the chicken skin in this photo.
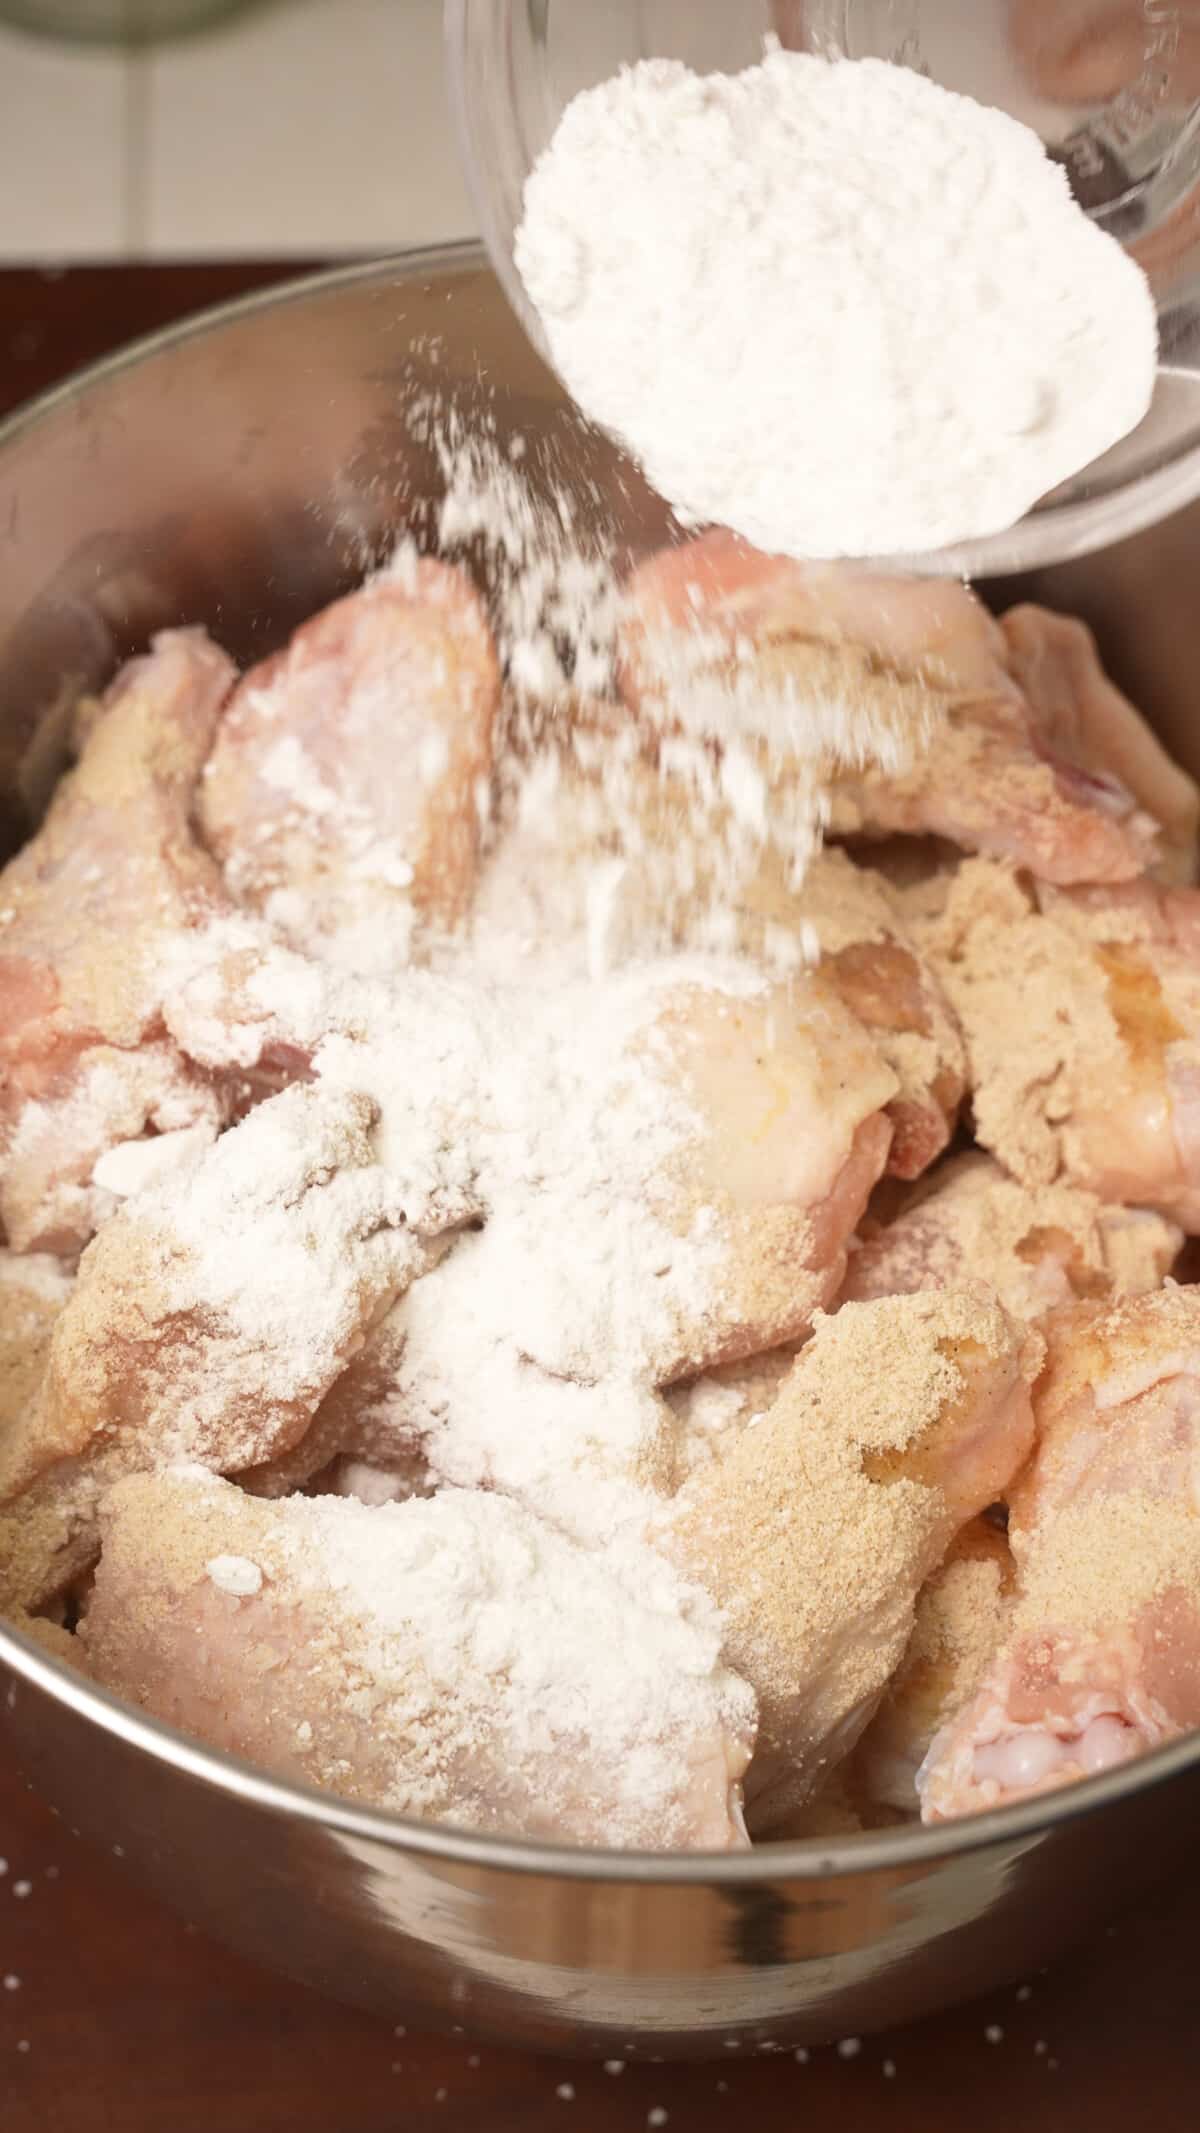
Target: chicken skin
(1037, 1246)
(961, 1614)
(607, 861)
(209, 1319)
(1103, 1087)
(970, 740)
(1101, 1659)
(345, 792)
(690, 1176)
(33, 1290)
(86, 911)
(814, 1532)
(451, 1658)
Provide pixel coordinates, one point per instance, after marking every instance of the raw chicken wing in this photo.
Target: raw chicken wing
(721, 637)
(345, 791)
(86, 911)
(713, 1409)
(693, 1147)
(898, 1423)
(453, 1658)
(210, 1317)
(1084, 720)
(1102, 1659)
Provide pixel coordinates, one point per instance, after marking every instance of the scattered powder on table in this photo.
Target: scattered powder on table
(831, 304)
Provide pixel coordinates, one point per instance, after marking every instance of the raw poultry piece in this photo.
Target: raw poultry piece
(1037, 1246)
(670, 1163)
(1102, 1657)
(606, 858)
(1081, 1013)
(833, 1811)
(1087, 722)
(454, 1658)
(210, 1317)
(351, 773)
(420, 1046)
(668, 1167)
(87, 908)
(961, 1615)
(899, 1422)
(444, 1391)
(672, 1166)
(932, 718)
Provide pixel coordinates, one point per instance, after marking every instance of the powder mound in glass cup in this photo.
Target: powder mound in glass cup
(830, 304)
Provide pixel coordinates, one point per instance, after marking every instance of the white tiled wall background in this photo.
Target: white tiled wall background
(304, 127)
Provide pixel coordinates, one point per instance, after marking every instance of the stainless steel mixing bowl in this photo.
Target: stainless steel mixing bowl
(238, 472)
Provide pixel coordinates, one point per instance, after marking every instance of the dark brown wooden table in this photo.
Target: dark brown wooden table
(116, 2018)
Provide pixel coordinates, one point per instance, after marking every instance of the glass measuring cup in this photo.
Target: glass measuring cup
(1111, 86)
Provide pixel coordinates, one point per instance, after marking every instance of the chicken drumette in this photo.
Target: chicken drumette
(816, 1528)
(209, 1319)
(1101, 1659)
(453, 1658)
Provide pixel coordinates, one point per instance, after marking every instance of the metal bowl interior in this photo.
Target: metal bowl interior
(239, 472)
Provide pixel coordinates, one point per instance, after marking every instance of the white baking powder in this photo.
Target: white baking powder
(829, 304)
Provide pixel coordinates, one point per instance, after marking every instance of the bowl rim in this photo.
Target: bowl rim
(803, 1859)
